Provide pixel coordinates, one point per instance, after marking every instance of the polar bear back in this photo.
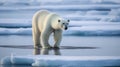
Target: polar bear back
(51, 21)
(39, 17)
(45, 19)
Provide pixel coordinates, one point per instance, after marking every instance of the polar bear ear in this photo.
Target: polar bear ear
(59, 20)
(68, 20)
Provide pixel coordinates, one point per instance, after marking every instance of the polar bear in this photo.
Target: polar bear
(43, 24)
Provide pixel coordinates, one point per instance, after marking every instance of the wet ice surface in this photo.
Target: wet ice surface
(71, 45)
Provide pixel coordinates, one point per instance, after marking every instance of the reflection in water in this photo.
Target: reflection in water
(44, 51)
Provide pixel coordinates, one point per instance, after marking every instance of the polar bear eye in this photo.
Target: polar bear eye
(68, 20)
(58, 20)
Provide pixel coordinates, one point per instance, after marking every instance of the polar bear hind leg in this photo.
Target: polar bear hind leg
(35, 33)
(35, 28)
(36, 39)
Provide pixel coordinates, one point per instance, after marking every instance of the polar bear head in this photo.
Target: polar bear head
(58, 22)
(63, 24)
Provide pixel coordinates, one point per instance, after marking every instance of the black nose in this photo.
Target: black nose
(66, 28)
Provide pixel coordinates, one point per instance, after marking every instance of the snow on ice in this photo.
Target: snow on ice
(44, 60)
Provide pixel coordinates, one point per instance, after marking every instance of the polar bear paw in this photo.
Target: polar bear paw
(47, 47)
(37, 47)
(56, 47)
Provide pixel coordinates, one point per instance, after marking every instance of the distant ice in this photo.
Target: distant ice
(94, 12)
(65, 7)
(75, 28)
(23, 27)
(93, 23)
(14, 23)
(114, 16)
(88, 17)
(44, 60)
(106, 1)
(15, 31)
(38, 2)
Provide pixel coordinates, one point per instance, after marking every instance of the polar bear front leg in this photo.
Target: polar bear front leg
(44, 39)
(57, 38)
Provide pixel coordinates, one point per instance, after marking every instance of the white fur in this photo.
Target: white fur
(43, 24)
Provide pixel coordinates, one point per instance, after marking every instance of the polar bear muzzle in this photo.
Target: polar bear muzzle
(65, 27)
(64, 24)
